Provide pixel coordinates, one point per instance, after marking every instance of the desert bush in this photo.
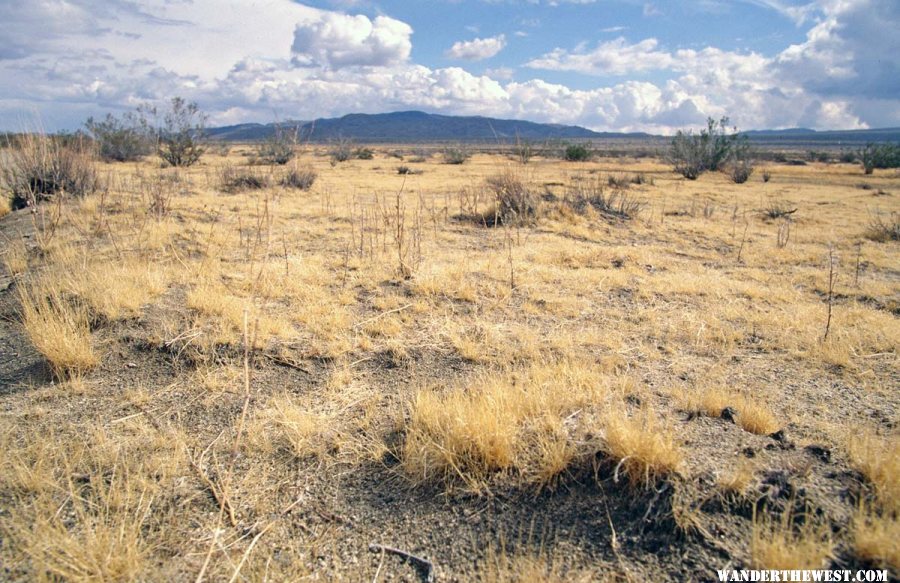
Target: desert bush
(236, 178)
(364, 153)
(524, 151)
(124, 139)
(340, 151)
(617, 204)
(817, 156)
(456, 154)
(692, 155)
(847, 157)
(740, 170)
(577, 153)
(883, 228)
(879, 156)
(299, 179)
(777, 209)
(280, 148)
(181, 133)
(40, 167)
(516, 201)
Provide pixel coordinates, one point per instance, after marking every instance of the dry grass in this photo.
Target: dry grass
(58, 327)
(751, 414)
(502, 566)
(779, 544)
(15, 257)
(508, 359)
(499, 423)
(5, 207)
(875, 536)
(878, 459)
(643, 448)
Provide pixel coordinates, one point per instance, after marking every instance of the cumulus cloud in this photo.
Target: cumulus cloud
(339, 40)
(615, 57)
(243, 61)
(477, 49)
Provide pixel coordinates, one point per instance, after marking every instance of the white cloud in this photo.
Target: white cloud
(615, 57)
(240, 62)
(339, 40)
(477, 49)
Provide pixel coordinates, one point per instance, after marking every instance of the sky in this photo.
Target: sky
(608, 65)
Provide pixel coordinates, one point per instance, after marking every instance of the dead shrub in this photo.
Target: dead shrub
(235, 179)
(516, 201)
(882, 229)
(617, 204)
(299, 179)
(40, 167)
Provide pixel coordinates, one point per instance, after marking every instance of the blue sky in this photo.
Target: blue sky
(629, 65)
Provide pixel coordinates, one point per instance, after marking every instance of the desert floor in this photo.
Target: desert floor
(205, 380)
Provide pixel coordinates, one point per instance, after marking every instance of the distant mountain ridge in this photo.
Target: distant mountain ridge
(418, 126)
(412, 126)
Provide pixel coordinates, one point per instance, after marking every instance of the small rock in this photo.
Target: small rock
(131, 365)
(819, 451)
(728, 414)
(749, 452)
(779, 435)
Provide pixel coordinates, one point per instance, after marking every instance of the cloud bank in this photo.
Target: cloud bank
(246, 62)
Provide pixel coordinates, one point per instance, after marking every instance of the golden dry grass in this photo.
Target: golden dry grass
(643, 447)
(778, 544)
(875, 536)
(58, 327)
(391, 327)
(5, 207)
(878, 460)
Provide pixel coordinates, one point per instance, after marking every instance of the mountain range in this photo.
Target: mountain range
(417, 126)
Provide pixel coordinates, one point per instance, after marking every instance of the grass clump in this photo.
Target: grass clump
(878, 460)
(58, 327)
(299, 179)
(875, 536)
(883, 229)
(516, 202)
(618, 204)
(236, 179)
(779, 544)
(644, 451)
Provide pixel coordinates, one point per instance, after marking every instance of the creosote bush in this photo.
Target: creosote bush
(125, 139)
(181, 133)
(456, 155)
(280, 148)
(693, 154)
(40, 167)
(577, 153)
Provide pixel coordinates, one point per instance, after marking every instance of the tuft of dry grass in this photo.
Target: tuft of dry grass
(510, 422)
(59, 328)
(875, 536)
(878, 459)
(779, 544)
(643, 449)
(739, 479)
(752, 415)
(15, 257)
(501, 566)
(288, 426)
(5, 206)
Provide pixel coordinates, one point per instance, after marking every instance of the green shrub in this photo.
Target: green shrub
(577, 153)
(124, 139)
(693, 154)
